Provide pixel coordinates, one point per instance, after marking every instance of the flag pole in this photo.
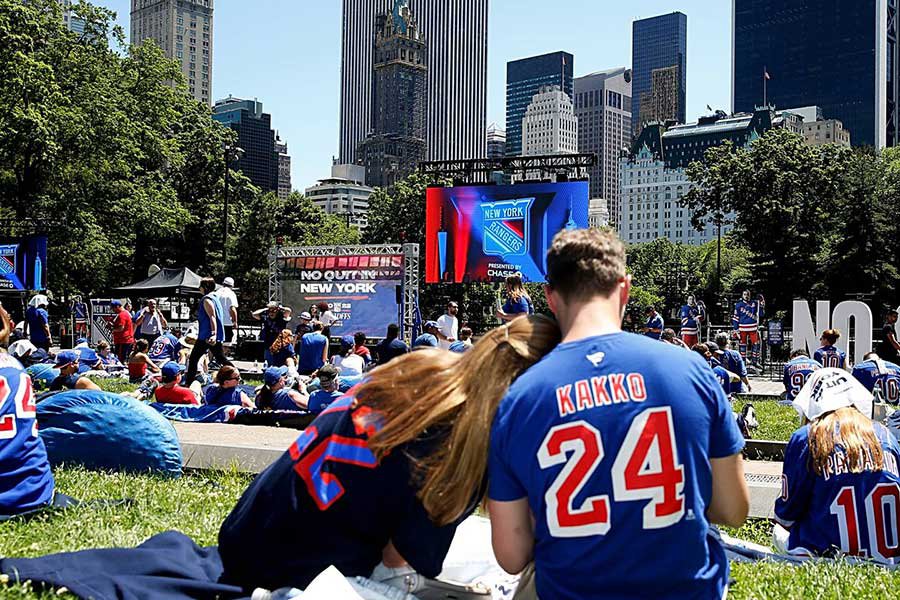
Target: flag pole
(765, 87)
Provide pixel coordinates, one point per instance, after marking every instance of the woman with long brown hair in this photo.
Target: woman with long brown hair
(840, 484)
(518, 302)
(281, 353)
(385, 474)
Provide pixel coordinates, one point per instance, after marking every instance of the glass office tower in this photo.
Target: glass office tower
(658, 43)
(840, 55)
(524, 78)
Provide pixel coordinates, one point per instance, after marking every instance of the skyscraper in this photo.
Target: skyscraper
(841, 55)
(549, 125)
(255, 137)
(657, 43)
(396, 144)
(284, 168)
(496, 141)
(524, 78)
(661, 102)
(73, 22)
(603, 107)
(184, 31)
(456, 33)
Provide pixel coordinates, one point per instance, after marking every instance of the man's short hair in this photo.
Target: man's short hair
(208, 284)
(393, 330)
(584, 263)
(722, 340)
(317, 326)
(668, 334)
(359, 338)
(701, 349)
(799, 352)
(871, 356)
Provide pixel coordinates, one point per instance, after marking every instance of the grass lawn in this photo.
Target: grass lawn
(776, 422)
(197, 504)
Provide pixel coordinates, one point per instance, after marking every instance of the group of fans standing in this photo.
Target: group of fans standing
(586, 441)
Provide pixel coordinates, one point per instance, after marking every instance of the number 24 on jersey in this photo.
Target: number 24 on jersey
(646, 468)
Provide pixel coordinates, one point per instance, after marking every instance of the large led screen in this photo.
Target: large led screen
(486, 233)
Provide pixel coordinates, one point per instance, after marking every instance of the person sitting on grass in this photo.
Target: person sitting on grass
(67, 363)
(419, 428)
(26, 482)
(359, 339)
(281, 353)
(348, 362)
(275, 395)
(328, 390)
(391, 346)
(427, 339)
(172, 392)
(107, 357)
(669, 337)
(829, 355)
(840, 481)
(139, 362)
(164, 348)
(225, 390)
(880, 377)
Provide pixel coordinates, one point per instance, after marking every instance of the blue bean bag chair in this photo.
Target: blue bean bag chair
(105, 431)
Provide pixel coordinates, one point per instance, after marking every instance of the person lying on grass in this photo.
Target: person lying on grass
(840, 483)
(383, 477)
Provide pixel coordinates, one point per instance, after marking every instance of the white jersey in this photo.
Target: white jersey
(449, 327)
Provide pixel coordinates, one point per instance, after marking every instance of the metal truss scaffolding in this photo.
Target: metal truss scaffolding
(410, 285)
(573, 166)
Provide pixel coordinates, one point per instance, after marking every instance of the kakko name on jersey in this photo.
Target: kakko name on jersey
(881, 377)
(796, 372)
(613, 458)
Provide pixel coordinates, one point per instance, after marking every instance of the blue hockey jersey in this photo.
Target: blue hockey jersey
(747, 315)
(880, 377)
(690, 319)
(831, 357)
(796, 372)
(854, 513)
(26, 482)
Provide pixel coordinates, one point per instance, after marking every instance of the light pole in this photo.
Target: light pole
(232, 153)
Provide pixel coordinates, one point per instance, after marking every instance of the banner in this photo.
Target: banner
(487, 233)
(361, 290)
(23, 263)
(102, 316)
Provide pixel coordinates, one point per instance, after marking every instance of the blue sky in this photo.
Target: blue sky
(287, 53)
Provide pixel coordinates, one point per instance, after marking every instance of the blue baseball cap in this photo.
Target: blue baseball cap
(170, 370)
(66, 357)
(431, 324)
(273, 374)
(347, 342)
(116, 303)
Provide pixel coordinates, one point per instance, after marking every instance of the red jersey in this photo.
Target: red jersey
(176, 395)
(126, 335)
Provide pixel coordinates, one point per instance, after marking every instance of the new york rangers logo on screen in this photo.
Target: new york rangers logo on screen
(8, 258)
(506, 226)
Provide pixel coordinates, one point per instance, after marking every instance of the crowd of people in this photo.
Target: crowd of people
(583, 440)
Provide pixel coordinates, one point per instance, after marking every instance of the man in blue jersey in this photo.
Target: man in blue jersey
(732, 360)
(164, 348)
(654, 326)
(729, 381)
(26, 482)
(610, 457)
(796, 373)
(880, 377)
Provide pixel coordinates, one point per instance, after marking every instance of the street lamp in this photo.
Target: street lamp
(232, 153)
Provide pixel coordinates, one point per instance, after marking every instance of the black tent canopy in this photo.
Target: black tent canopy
(167, 282)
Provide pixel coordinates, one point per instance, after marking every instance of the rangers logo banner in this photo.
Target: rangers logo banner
(23, 262)
(487, 233)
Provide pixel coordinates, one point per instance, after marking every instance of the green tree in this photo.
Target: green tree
(786, 197)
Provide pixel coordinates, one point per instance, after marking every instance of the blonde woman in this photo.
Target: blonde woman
(385, 474)
(518, 302)
(840, 484)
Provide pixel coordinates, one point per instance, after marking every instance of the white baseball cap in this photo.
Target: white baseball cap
(21, 348)
(228, 281)
(829, 389)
